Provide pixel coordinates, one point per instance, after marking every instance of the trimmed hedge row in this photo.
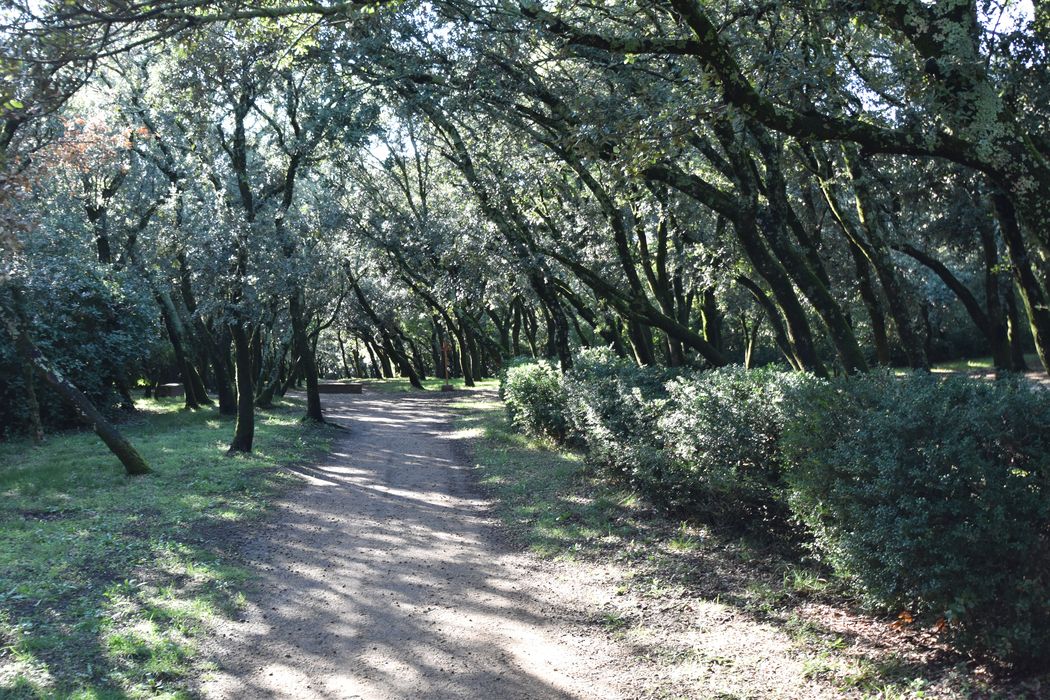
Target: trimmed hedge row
(924, 493)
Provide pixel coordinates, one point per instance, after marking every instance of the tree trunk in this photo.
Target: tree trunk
(515, 330)
(396, 350)
(874, 249)
(641, 342)
(342, 353)
(477, 362)
(798, 331)
(244, 433)
(171, 323)
(464, 355)
(373, 360)
(359, 370)
(1032, 295)
(991, 328)
(384, 361)
(999, 334)
(827, 308)
(749, 333)
(531, 327)
(219, 353)
(307, 359)
(265, 397)
(711, 318)
(780, 336)
(870, 297)
(1014, 332)
(417, 360)
(255, 343)
(32, 404)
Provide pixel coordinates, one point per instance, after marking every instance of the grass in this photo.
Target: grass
(545, 495)
(980, 364)
(105, 579)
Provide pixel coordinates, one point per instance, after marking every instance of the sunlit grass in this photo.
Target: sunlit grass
(105, 579)
(980, 364)
(546, 495)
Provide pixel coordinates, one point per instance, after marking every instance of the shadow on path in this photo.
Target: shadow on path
(382, 578)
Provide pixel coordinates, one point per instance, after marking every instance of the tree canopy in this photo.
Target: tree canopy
(248, 196)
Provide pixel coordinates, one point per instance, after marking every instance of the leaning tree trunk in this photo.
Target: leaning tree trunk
(870, 297)
(342, 353)
(780, 335)
(396, 349)
(17, 326)
(32, 404)
(167, 312)
(384, 363)
(990, 326)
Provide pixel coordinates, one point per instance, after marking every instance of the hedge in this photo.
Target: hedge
(924, 493)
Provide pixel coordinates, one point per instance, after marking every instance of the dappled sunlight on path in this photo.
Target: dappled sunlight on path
(381, 578)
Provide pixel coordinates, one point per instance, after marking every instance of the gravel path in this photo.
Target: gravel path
(383, 577)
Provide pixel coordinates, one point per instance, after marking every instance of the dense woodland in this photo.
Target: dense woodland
(253, 195)
(246, 197)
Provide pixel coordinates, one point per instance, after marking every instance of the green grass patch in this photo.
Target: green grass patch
(105, 579)
(980, 364)
(546, 495)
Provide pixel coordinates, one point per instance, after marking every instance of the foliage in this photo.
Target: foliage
(552, 503)
(688, 185)
(535, 399)
(906, 483)
(701, 443)
(721, 430)
(98, 328)
(614, 406)
(933, 496)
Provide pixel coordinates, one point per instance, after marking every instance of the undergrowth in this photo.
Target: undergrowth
(678, 576)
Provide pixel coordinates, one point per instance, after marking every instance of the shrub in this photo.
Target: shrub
(721, 430)
(613, 407)
(535, 399)
(932, 495)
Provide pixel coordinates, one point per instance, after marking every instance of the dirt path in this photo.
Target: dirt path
(383, 578)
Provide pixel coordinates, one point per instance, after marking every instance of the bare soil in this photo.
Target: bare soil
(384, 577)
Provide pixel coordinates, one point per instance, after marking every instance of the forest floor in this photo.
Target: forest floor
(435, 553)
(982, 368)
(106, 580)
(384, 576)
(428, 551)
